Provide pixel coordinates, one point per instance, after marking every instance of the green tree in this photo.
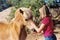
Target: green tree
(50, 2)
(35, 4)
(12, 2)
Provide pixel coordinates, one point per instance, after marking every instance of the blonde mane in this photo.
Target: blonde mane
(12, 30)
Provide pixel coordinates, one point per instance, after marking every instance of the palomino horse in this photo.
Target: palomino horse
(14, 29)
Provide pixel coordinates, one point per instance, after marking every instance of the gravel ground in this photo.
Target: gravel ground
(4, 15)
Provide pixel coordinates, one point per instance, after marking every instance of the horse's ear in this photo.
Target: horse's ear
(30, 8)
(21, 11)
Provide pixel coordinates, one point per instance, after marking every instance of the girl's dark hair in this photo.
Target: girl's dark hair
(47, 11)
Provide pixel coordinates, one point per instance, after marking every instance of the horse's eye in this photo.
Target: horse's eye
(26, 19)
(21, 11)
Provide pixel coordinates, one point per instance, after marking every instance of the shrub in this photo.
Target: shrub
(35, 4)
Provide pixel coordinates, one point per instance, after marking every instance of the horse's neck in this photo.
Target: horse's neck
(23, 34)
(3, 25)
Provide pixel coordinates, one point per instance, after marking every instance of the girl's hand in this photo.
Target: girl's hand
(32, 25)
(42, 32)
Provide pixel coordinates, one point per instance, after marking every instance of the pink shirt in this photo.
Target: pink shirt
(48, 30)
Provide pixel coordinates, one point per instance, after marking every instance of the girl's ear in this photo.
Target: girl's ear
(21, 11)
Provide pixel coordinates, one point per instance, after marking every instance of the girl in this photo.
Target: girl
(46, 24)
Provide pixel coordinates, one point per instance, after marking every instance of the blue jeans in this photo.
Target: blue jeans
(53, 37)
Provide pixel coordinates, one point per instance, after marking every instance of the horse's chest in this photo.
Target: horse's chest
(8, 34)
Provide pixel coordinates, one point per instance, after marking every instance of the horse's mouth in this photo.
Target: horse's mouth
(26, 19)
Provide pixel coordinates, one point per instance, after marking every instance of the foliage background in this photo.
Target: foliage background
(35, 4)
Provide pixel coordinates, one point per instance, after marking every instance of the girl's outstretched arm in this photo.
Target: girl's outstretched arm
(36, 28)
(44, 22)
(40, 28)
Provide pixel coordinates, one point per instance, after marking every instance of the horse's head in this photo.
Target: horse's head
(27, 13)
(23, 14)
(19, 17)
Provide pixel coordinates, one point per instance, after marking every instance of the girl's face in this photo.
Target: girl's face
(41, 13)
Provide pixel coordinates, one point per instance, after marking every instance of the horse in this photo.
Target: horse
(15, 29)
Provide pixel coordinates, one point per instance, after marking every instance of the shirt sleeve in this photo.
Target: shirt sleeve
(45, 21)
